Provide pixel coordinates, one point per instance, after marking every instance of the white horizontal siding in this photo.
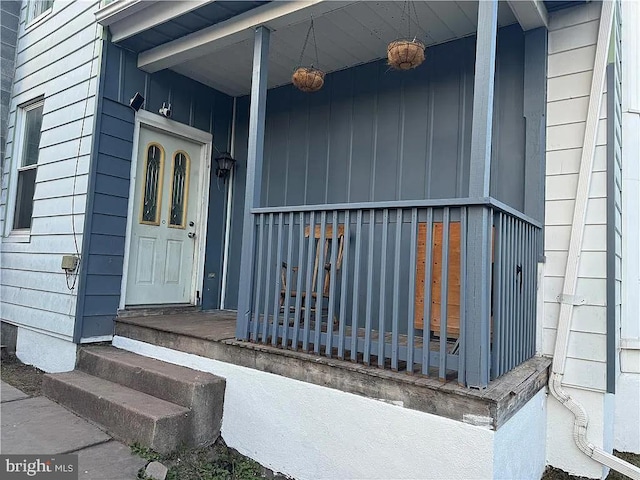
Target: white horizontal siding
(572, 45)
(44, 320)
(54, 244)
(64, 168)
(34, 262)
(58, 58)
(569, 86)
(58, 206)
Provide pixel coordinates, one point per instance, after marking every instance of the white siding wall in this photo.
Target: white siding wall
(572, 46)
(572, 39)
(58, 58)
(627, 419)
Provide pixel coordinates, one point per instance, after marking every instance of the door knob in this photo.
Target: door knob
(191, 235)
(191, 224)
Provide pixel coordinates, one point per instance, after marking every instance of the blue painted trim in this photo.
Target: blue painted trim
(611, 230)
(88, 217)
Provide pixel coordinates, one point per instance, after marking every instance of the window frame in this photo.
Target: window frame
(17, 160)
(32, 18)
(159, 189)
(185, 189)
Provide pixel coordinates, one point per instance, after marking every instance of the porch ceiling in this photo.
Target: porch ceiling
(348, 34)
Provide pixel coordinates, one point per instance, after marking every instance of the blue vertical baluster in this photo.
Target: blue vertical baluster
(463, 293)
(309, 273)
(412, 290)
(278, 287)
(287, 289)
(267, 280)
(383, 288)
(369, 314)
(444, 295)
(344, 287)
(426, 322)
(396, 294)
(320, 273)
(256, 300)
(356, 288)
(298, 307)
(332, 284)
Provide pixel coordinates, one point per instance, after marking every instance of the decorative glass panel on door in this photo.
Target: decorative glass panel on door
(179, 190)
(152, 187)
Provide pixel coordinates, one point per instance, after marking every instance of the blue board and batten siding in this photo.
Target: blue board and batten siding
(372, 134)
(102, 266)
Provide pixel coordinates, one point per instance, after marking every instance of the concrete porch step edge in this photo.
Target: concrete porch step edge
(201, 392)
(127, 414)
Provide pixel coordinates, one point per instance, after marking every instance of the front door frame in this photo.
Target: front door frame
(205, 139)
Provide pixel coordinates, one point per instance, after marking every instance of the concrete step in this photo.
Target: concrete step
(200, 392)
(125, 413)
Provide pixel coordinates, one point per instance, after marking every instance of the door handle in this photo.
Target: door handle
(191, 234)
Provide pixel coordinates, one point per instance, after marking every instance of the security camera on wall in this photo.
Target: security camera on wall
(165, 111)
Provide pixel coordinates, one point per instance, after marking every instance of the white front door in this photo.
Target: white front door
(163, 249)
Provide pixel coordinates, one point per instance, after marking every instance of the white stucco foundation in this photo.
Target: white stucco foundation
(519, 445)
(48, 353)
(627, 415)
(309, 431)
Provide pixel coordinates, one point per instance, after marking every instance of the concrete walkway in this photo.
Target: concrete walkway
(39, 426)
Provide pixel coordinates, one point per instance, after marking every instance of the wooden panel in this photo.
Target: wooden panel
(328, 231)
(454, 283)
(453, 292)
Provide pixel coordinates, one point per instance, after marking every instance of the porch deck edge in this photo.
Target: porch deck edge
(496, 404)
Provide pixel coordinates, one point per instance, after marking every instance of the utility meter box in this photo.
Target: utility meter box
(69, 262)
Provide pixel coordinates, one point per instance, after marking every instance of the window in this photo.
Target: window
(179, 190)
(152, 185)
(37, 8)
(28, 142)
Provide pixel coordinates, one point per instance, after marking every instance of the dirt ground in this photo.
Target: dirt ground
(557, 474)
(23, 377)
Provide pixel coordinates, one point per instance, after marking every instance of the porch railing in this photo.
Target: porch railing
(385, 284)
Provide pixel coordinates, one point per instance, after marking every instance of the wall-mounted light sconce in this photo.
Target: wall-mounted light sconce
(137, 101)
(225, 164)
(165, 111)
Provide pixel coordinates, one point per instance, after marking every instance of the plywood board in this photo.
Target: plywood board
(453, 282)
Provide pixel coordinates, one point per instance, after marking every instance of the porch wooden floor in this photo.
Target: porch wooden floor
(212, 335)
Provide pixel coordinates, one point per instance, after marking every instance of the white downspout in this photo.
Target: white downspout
(227, 226)
(581, 421)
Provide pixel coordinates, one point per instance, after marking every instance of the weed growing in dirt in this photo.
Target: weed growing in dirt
(217, 462)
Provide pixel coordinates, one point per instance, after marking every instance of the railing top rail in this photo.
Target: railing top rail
(498, 205)
(435, 203)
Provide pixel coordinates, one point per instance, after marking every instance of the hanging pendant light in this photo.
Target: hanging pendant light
(406, 53)
(308, 79)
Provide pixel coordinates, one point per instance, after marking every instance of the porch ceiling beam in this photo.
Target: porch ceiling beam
(530, 13)
(477, 281)
(273, 15)
(255, 156)
(154, 14)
